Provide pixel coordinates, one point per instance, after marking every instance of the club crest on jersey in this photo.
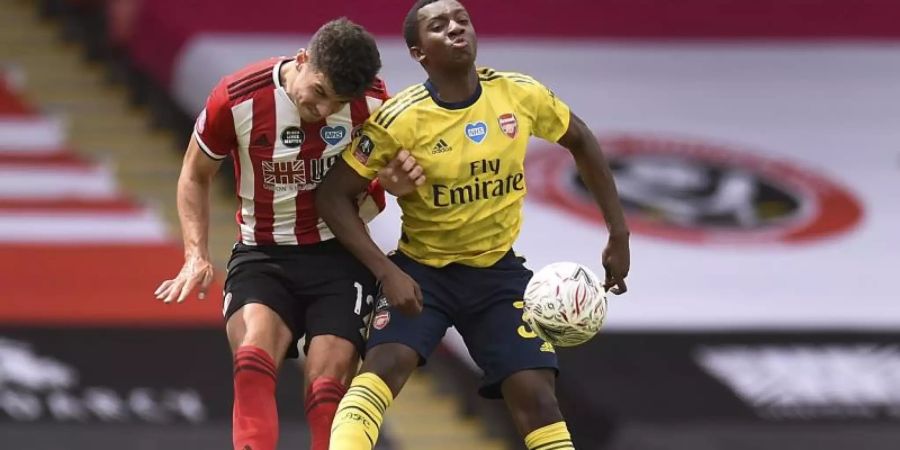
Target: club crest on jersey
(509, 125)
(292, 137)
(476, 131)
(333, 135)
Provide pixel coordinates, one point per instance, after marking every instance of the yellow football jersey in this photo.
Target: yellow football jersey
(470, 209)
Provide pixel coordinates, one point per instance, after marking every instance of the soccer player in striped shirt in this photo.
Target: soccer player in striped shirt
(284, 122)
(468, 128)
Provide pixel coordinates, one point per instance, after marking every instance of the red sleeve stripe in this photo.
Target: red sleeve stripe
(257, 83)
(248, 78)
(206, 149)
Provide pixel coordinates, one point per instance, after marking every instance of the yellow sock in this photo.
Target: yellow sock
(360, 413)
(551, 437)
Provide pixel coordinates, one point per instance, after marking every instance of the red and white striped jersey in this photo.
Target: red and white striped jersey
(278, 159)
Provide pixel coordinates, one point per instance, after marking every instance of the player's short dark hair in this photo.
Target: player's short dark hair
(411, 23)
(347, 55)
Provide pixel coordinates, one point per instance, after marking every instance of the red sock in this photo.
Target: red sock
(322, 400)
(255, 419)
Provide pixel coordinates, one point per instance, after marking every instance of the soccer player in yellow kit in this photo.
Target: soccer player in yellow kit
(468, 129)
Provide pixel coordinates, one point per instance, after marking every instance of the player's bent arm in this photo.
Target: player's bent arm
(194, 186)
(336, 204)
(595, 173)
(194, 183)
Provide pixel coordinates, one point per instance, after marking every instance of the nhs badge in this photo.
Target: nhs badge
(333, 135)
(476, 131)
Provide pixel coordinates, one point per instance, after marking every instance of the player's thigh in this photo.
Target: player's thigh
(259, 309)
(339, 293)
(336, 329)
(421, 332)
(497, 338)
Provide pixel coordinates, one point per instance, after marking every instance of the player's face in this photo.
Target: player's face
(312, 93)
(446, 36)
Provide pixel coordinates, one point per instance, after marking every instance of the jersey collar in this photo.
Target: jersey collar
(453, 105)
(276, 73)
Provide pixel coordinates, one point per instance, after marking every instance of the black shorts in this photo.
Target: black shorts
(315, 289)
(485, 305)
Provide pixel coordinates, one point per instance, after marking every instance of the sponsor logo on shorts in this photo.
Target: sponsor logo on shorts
(382, 313)
(381, 320)
(547, 347)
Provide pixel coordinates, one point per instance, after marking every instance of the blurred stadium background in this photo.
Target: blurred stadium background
(755, 143)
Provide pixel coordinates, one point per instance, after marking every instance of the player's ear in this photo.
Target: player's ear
(302, 56)
(417, 54)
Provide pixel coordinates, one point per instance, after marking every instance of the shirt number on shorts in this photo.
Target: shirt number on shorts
(524, 330)
(357, 308)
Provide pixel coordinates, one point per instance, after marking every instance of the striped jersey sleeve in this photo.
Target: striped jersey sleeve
(214, 128)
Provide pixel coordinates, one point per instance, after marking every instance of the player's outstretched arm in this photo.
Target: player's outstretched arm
(194, 183)
(336, 204)
(595, 173)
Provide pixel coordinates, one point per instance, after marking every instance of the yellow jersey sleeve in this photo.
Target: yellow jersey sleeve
(550, 115)
(371, 150)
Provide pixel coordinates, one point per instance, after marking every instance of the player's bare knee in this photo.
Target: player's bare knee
(331, 357)
(393, 363)
(259, 326)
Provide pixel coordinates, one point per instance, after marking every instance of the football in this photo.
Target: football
(565, 304)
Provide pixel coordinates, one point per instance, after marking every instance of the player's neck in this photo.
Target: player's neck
(287, 75)
(455, 87)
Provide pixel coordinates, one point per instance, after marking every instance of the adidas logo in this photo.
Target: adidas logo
(441, 147)
(262, 141)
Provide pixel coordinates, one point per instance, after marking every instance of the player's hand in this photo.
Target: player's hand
(195, 272)
(616, 262)
(402, 292)
(402, 176)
